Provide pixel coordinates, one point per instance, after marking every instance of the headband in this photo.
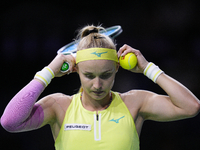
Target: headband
(96, 54)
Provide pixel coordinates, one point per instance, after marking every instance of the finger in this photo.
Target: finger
(121, 50)
(127, 49)
(71, 61)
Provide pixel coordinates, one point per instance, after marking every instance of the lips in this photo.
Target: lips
(98, 92)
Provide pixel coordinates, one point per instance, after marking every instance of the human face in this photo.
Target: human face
(97, 77)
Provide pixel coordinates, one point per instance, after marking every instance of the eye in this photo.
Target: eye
(89, 76)
(106, 75)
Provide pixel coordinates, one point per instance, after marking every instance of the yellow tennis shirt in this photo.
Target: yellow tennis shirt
(112, 129)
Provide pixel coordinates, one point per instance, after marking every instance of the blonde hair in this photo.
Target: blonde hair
(89, 37)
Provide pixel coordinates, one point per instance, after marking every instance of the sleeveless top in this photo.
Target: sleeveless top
(112, 129)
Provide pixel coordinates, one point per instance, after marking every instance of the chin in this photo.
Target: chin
(99, 96)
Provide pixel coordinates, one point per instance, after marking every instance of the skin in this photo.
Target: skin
(96, 82)
(97, 78)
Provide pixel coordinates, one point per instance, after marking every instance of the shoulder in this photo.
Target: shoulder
(130, 95)
(134, 95)
(56, 101)
(57, 97)
(134, 99)
(54, 107)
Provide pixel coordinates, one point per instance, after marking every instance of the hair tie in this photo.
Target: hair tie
(95, 30)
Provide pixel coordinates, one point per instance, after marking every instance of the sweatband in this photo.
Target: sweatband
(152, 71)
(45, 75)
(96, 54)
(21, 113)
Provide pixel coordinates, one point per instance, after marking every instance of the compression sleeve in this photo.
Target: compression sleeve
(21, 113)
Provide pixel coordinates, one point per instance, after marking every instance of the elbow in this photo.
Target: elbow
(7, 125)
(197, 108)
(194, 110)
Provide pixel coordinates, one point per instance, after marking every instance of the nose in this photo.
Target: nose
(97, 84)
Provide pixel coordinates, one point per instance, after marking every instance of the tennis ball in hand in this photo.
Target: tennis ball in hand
(129, 61)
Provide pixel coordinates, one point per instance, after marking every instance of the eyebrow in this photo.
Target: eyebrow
(101, 73)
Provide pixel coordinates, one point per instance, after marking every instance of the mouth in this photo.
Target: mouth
(98, 92)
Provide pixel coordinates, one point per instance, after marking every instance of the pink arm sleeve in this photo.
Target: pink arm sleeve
(21, 113)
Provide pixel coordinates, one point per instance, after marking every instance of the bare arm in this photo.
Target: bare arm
(180, 102)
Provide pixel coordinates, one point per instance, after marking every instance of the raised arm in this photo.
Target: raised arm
(22, 112)
(180, 102)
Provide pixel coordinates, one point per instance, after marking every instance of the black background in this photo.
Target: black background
(166, 32)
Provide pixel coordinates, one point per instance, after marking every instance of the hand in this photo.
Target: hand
(58, 61)
(142, 62)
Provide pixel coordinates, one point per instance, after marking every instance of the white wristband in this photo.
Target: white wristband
(45, 75)
(152, 71)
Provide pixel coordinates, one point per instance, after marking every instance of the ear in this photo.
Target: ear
(75, 69)
(117, 67)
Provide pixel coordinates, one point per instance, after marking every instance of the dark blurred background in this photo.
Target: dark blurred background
(166, 32)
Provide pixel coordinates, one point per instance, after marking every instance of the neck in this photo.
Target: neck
(95, 105)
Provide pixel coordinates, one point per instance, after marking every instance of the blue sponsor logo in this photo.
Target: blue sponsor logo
(116, 120)
(98, 54)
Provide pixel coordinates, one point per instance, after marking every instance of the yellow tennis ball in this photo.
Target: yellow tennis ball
(129, 61)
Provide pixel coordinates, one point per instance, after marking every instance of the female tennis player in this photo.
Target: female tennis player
(97, 117)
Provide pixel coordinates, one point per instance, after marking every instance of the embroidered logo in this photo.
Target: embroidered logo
(116, 120)
(86, 127)
(98, 54)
